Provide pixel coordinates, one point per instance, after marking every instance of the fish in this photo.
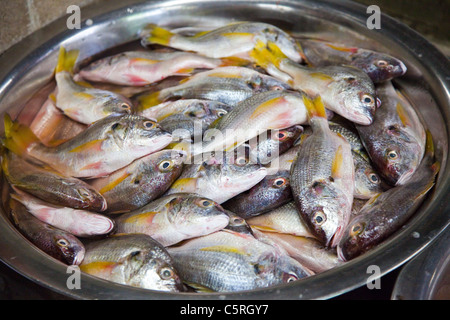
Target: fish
(270, 110)
(43, 182)
(104, 147)
(284, 219)
(135, 260)
(385, 213)
(174, 218)
(379, 66)
(57, 243)
(227, 261)
(141, 68)
(272, 143)
(82, 102)
(219, 177)
(140, 182)
(395, 141)
(344, 90)
(308, 251)
(80, 223)
(192, 115)
(232, 40)
(238, 224)
(270, 193)
(228, 85)
(323, 178)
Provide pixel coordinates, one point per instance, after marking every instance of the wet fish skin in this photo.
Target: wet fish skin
(219, 177)
(142, 181)
(43, 182)
(132, 259)
(395, 142)
(385, 213)
(57, 243)
(234, 39)
(322, 179)
(226, 261)
(140, 68)
(80, 223)
(175, 217)
(270, 193)
(104, 147)
(379, 66)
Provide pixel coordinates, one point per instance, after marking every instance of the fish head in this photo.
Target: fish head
(396, 154)
(70, 248)
(116, 104)
(148, 271)
(354, 93)
(367, 181)
(262, 83)
(138, 134)
(326, 212)
(379, 66)
(88, 197)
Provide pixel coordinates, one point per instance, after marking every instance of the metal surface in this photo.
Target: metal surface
(28, 66)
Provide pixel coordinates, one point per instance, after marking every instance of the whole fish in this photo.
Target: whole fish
(132, 259)
(269, 145)
(228, 85)
(81, 223)
(49, 185)
(322, 179)
(140, 68)
(142, 181)
(104, 147)
(192, 115)
(83, 103)
(385, 213)
(309, 252)
(173, 218)
(227, 261)
(270, 110)
(379, 66)
(57, 243)
(284, 219)
(345, 90)
(395, 141)
(234, 39)
(272, 192)
(219, 178)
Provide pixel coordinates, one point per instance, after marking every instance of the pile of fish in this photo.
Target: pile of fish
(218, 160)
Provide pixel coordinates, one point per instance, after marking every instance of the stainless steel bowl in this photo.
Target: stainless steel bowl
(28, 66)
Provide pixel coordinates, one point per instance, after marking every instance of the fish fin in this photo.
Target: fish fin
(266, 106)
(98, 267)
(83, 95)
(234, 61)
(429, 145)
(90, 145)
(158, 35)
(314, 107)
(149, 100)
(66, 60)
(84, 84)
(111, 185)
(342, 49)
(52, 97)
(403, 115)
(184, 184)
(185, 71)
(18, 137)
(144, 218)
(266, 55)
(200, 34)
(336, 166)
(224, 249)
(198, 287)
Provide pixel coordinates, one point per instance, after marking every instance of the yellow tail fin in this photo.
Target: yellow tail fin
(148, 100)
(66, 60)
(18, 137)
(157, 35)
(267, 54)
(314, 107)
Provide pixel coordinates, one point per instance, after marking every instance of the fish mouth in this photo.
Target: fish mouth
(334, 240)
(405, 177)
(340, 254)
(79, 257)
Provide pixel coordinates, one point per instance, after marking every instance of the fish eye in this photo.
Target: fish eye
(115, 125)
(165, 165)
(125, 106)
(392, 155)
(374, 178)
(356, 229)
(166, 273)
(62, 243)
(238, 220)
(367, 99)
(350, 79)
(277, 88)
(279, 182)
(289, 277)
(382, 63)
(205, 203)
(241, 161)
(83, 192)
(149, 124)
(221, 113)
(319, 218)
(281, 135)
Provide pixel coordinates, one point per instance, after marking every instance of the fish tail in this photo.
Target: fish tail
(18, 137)
(157, 35)
(267, 54)
(314, 107)
(66, 60)
(149, 100)
(233, 61)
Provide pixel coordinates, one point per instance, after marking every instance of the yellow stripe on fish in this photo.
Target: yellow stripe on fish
(114, 183)
(266, 106)
(90, 145)
(224, 249)
(336, 167)
(144, 218)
